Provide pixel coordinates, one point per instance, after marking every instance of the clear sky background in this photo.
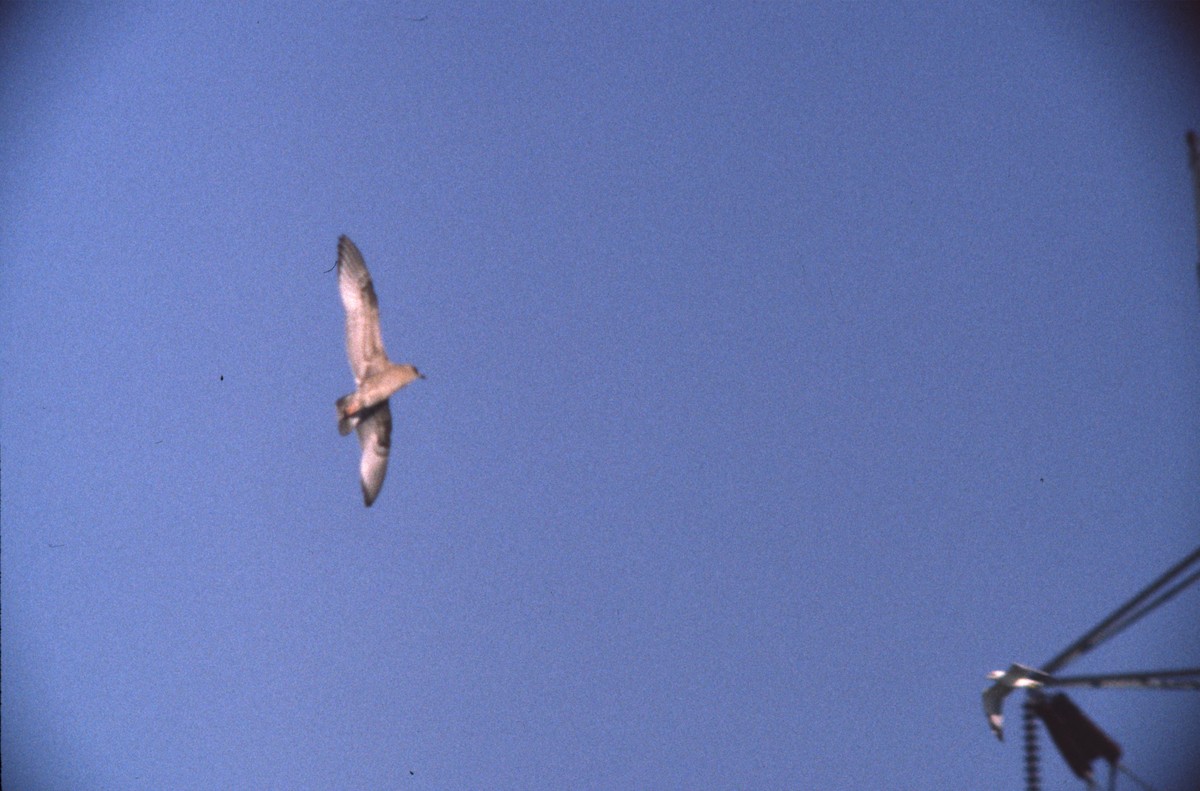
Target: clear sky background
(789, 368)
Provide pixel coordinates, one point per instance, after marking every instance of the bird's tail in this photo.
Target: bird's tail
(347, 420)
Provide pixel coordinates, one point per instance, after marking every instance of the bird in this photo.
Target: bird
(1005, 682)
(376, 377)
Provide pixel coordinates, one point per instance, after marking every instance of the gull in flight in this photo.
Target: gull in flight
(375, 376)
(1006, 682)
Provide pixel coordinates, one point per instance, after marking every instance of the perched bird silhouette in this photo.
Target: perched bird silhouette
(375, 376)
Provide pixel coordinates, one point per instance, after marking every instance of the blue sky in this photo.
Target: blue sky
(789, 368)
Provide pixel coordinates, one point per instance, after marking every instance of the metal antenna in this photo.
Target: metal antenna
(1154, 679)
(1033, 679)
(1112, 623)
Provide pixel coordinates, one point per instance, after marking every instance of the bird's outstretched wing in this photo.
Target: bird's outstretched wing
(993, 707)
(375, 437)
(364, 344)
(1005, 681)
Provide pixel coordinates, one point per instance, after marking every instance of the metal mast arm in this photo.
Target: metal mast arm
(1102, 629)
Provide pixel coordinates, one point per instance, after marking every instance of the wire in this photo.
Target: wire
(1137, 616)
(1123, 769)
(1153, 679)
(1194, 164)
(1114, 623)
